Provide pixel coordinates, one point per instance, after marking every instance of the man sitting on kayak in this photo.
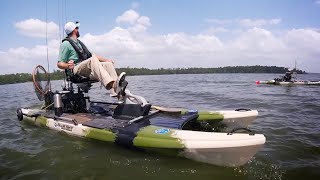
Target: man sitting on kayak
(74, 55)
(287, 77)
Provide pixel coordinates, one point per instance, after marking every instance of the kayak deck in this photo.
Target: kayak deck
(107, 115)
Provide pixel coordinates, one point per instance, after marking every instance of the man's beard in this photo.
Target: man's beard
(78, 34)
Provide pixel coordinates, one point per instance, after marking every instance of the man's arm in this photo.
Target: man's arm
(63, 60)
(63, 65)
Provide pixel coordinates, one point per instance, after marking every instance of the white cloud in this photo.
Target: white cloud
(138, 28)
(22, 59)
(245, 22)
(251, 47)
(257, 40)
(129, 47)
(214, 30)
(129, 16)
(136, 22)
(304, 41)
(143, 20)
(219, 21)
(258, 22)
(117, 41)
(37, 28)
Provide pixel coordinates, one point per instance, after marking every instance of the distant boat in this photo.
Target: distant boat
(295, 82)
(290, 78)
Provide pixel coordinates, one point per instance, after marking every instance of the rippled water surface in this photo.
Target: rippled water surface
(288, 116)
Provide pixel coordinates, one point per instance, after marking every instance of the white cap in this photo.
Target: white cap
(289, 69)
(70, 26)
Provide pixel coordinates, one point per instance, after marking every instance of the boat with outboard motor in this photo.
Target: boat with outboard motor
(133, 122)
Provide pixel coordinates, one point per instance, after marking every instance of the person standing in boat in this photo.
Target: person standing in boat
(74, 55)
(288, 76)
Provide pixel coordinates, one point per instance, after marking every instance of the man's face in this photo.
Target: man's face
(77, 32)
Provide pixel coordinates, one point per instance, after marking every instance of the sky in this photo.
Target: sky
(164, 34)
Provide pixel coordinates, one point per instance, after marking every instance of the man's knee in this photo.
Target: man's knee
(107, 63)
(94, 61)
(94, 58)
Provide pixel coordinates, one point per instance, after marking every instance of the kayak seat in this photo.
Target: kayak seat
(130, 111)
(82, 82)
(172, 121)
(77, 78)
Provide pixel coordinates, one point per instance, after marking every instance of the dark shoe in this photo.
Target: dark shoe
(119, 82)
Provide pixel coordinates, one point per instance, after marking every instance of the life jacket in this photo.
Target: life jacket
(82, 51)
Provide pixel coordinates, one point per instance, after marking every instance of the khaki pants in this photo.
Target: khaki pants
(102, 71)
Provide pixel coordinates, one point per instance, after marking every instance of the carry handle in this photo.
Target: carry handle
(241, 128)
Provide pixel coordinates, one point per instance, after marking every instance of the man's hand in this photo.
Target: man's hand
(71, 64)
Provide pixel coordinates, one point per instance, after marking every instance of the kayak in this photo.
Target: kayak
(215, 137)
(183, 134)
(273, 82)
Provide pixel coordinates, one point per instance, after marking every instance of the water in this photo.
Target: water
(288, 117)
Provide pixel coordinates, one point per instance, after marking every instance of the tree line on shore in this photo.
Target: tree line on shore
(57, 74)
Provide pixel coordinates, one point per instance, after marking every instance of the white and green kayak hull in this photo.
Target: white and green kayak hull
(217, 148)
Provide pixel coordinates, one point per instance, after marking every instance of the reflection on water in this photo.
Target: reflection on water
(288, 117)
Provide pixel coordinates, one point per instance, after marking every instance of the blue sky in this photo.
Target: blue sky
(154, 33)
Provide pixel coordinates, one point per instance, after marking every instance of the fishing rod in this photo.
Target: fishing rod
(48, 64)
(63, 16)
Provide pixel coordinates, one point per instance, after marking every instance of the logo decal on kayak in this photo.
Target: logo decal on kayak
(162, 131)
(63, 126)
